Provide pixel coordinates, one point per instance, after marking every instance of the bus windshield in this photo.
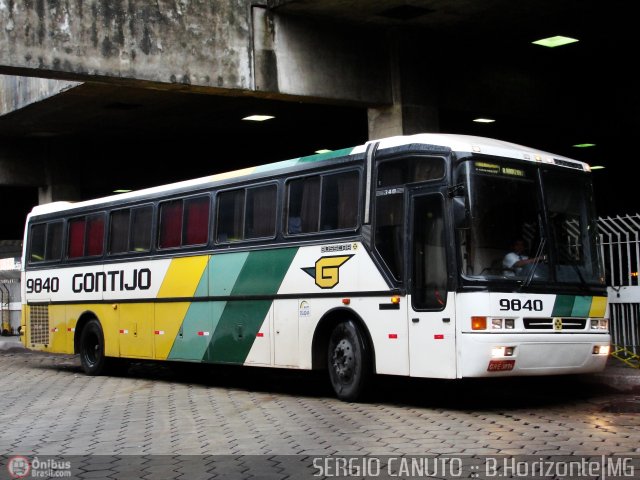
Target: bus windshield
(511, 240)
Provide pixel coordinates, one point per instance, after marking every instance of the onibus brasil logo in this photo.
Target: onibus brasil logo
(327, 270)
(20, 467)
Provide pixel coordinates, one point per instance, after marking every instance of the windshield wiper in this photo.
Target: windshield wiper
(536, 262)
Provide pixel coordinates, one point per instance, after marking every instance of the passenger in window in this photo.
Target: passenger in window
(295, 225)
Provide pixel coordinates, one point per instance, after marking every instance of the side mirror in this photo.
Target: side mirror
(461, 216)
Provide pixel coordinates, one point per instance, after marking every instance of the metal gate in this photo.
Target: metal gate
(620, 249)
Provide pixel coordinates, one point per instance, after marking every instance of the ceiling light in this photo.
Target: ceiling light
(597, 167)
(584, 145)
(483, 120)
(258, 118)
(323, 150)
(121, 190)
(556, 41)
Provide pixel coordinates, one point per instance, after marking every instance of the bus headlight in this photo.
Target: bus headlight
(599, 324)
(601, 350)
(497, 352)
(502, 323)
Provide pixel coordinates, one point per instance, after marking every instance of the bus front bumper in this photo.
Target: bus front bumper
(491, 354)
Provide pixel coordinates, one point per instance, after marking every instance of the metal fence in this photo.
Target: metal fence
(620, 250)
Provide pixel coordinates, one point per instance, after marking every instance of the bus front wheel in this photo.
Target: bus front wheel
(349, 361)
(92, 356)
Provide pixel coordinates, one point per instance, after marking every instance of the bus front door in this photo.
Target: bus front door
(431, 310)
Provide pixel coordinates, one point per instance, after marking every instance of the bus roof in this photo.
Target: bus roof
(456, 143)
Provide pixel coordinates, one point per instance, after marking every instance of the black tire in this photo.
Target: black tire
(349, 361)
(92, 356)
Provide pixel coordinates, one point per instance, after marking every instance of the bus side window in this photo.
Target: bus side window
(410, 170)
(75, 242)
(141, 229)
(196, 221)
(119, 231)
(94, 236)
(230, 218)
(429, 261)
(260, 212)
(54, 241)
(339, 209)
(303, 206)
(170, 224)
(38, 237)
(389, 238)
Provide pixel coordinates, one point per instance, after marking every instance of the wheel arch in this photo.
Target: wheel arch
(323, 331)
(83, 319)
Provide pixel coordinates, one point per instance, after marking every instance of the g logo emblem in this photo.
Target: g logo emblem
(327, 270)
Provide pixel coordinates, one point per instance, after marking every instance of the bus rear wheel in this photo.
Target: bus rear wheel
(92, 356)
(349, 361)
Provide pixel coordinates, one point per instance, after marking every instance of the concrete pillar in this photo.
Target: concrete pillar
(33, 165)
(58, 193)
(61, 184)
(413, 92)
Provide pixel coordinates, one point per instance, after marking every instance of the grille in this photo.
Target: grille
(39, 324)
(547, 323)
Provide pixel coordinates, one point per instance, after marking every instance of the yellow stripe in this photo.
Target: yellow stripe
(598, 306)
(183, 276)
(233, 174)
(181, 280)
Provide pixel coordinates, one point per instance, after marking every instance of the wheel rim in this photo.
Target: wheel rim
(92, 350)
(343, 360)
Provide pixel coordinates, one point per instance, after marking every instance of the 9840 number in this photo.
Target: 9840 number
(516, 305)
(39, 285)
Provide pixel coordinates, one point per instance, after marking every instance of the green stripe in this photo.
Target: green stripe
(563, 306)
(187, 345)
(275, 166)
(318, 157)
(326, 156)
(262, 274)
(581, 307)
(224, 271)
(218, 279)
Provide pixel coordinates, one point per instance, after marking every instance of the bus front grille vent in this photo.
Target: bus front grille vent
(547, 323)
(39, 324)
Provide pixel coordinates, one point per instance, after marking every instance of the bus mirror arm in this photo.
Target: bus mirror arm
(461, 215)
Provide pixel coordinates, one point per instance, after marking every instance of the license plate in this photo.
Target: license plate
(501, 365)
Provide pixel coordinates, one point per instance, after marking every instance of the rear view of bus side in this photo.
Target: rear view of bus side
(387, 258)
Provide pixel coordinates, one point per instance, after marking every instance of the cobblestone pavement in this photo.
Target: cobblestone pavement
(49, 407)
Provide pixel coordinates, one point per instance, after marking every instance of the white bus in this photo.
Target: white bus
(387, 258)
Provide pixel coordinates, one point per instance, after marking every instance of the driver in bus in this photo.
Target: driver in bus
(515, 261)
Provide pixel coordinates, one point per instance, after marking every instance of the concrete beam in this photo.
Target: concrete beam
(18, 92)
(196, 42)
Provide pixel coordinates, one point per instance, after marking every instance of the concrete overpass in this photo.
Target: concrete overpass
(94, 95)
